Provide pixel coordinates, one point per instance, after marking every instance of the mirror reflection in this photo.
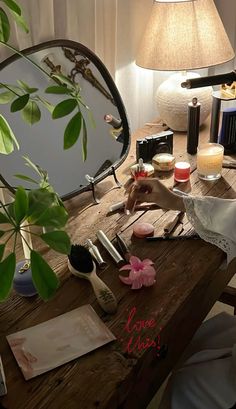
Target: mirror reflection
(106, 122)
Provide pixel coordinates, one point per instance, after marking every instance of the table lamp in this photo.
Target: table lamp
(183, 35)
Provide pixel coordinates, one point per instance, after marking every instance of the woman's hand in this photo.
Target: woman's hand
(152, 190)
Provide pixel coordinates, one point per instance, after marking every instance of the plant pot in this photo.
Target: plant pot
(22, 282)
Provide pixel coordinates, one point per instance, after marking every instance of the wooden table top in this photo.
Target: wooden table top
(188, 284)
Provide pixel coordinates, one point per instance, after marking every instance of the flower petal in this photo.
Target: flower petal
(137, 284)
(149, 271)
(126, 267)
(125, 280)
(148, 281)
(135, 262)
(147, 262)
(134, 275)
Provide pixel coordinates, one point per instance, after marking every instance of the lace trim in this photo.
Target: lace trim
(224, 243)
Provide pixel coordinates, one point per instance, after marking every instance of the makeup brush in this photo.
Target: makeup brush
(81, 264)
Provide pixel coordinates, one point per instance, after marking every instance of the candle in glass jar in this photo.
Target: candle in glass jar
(209, 161)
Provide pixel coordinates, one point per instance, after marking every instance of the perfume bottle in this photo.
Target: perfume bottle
(141, 172)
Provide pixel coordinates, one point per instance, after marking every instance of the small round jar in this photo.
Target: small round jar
(142, 230)
(182, 171)
(163, 162)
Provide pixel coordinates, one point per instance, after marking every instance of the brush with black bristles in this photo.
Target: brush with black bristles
(81, 264)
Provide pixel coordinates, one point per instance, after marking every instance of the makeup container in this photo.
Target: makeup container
(148, 169)
(110, 248)
(182, 172)
(116, 206)
(96, 254)
(193, 126)
(111, 120)
(142, 230)
(140, 172)
(163, 162)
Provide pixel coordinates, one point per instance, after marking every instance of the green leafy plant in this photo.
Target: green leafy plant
(33, 209)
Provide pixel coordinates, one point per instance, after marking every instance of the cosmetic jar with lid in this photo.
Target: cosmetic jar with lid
(182, 172)
(163, 162)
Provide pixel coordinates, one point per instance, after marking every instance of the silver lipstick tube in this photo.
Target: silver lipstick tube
(110, 248)
(96, 254)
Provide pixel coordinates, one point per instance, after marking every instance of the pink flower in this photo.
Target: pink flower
(141, 273)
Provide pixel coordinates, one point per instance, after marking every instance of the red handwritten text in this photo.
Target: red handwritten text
(135, 329)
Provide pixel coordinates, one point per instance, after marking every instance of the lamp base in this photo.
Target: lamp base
(172, 101)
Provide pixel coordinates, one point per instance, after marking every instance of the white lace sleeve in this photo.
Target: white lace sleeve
(214, 220)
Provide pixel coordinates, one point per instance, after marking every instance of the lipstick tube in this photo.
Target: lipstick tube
(110, 248)
(96, 254)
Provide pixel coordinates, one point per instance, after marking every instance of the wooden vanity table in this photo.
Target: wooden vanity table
(188, 283)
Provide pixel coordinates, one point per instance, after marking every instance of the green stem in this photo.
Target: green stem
(26, 231)
(27, 244)
(25, 57)
(8, 214)
(6, 184)
(14, 248)
(6, 86)
(9, 238)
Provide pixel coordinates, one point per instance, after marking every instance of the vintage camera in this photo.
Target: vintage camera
(149, 146)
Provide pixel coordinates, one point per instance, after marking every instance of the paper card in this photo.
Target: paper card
(48, 345)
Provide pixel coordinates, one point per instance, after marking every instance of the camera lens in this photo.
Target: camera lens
(163, 147)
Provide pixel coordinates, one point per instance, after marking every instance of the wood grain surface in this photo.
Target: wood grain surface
(189, 282)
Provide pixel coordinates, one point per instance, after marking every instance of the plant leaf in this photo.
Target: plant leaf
(64, 108)
(39, 200)
(72, 131)
(44, 278)
(32, 165)
(47, 104)
(57, 89)
(64, 80)
(20, 21)
(55, 216)
(6, 97)
(26, 87)
(91, 119)
(19, 103)
(2, 232)
(84, 141)
(7, 270)
(10, 209)
(4, 26)
(7, 138)
(13, 6)
(4, 218)
(2, 248)
(31, 113)
(26, 178)
(21, 204)
(58, 241)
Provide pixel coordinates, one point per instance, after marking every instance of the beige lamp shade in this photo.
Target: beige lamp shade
(184, 35)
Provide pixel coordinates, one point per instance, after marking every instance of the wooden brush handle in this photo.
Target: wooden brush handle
(104, 295)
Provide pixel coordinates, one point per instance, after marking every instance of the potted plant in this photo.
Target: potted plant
(41, 207)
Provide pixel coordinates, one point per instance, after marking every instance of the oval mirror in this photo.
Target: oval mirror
(107, 128)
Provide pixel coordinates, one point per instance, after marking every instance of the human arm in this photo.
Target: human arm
(152, 190)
